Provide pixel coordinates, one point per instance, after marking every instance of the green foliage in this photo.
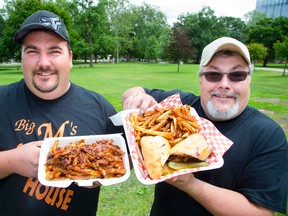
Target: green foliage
(91, 23)
(204, 27)
(17, 11)
(267, 31)
(257, 52)
(118, 28)
(281, 51)
(252, 17)
(179, 48)
(2, 27)
(149, 28)
(237, 27)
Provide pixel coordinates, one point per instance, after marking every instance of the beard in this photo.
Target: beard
(223, 114)
(44, 86)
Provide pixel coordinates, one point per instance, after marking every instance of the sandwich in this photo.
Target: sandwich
(160, 159)
(155, 150)
(192, 149)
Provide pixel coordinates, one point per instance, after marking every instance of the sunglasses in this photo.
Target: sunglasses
(236, 76)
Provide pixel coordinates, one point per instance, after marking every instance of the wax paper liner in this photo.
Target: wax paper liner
(218, 142)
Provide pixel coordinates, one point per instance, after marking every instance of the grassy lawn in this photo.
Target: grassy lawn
(269, 93)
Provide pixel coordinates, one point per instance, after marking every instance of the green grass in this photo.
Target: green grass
(269, 93)
(271, 65)
(111, 80)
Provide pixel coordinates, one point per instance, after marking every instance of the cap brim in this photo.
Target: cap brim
(22, 32)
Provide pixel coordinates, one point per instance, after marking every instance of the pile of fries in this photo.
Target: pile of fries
(174, 124)
(82, 161)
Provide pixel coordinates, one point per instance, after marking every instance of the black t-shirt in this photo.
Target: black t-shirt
(256, 165)
(25, 118)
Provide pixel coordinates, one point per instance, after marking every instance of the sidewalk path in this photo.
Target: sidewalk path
(271, 69)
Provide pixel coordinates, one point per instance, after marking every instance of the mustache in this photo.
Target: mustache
(45, 70)
(224, 93)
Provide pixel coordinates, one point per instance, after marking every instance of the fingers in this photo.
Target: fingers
(38, 144)
(147, 102)
(133, 101)
(140, 101)
(181, 179)
(25, 159)
(95, 184)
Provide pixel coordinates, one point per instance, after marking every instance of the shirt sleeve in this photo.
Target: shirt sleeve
(159, 95)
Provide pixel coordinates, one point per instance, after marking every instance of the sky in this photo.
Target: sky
(172, 9)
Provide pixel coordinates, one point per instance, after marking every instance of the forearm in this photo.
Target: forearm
(220, 201)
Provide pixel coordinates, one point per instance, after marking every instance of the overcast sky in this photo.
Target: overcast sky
(173, 8)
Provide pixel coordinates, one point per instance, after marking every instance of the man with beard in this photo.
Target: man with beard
(254, 177)
(45, 104)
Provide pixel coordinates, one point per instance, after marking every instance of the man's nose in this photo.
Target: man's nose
(43, 60)
(224, 82)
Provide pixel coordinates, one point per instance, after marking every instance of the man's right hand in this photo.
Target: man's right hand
(22, 160)
(136, 98)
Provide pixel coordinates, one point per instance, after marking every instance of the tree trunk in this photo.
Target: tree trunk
(285, 67)
(265, 62)
(91, 59)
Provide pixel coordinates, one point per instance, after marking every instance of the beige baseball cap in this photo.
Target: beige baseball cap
(223, 43)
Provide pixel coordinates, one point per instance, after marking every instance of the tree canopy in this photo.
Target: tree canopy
(117, 29)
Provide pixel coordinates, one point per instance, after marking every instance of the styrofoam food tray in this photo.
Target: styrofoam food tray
(63, 141)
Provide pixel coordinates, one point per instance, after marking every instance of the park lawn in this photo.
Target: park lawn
(269, 93)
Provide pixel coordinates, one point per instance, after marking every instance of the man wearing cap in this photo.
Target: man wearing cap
(45, 104)
(254, 177)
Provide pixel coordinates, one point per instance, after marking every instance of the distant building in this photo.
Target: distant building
(273, 8)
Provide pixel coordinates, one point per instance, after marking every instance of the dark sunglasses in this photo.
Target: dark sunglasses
(235, 76)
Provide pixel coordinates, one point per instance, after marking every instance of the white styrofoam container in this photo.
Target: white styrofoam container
(64, 141)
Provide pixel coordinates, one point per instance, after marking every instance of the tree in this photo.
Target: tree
(179, 50)
(2, 27)
(281, 51)
(236, 26)
(77, 41)
(252, 17)
(149, 26)
(16, 12)
(121, 26)
(258, 52)
(267, 31)
(204, 27)
(91, 23)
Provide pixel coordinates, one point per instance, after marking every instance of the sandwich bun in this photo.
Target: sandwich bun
(192, 149)
(155, 150)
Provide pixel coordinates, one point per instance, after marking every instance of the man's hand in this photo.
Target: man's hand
(136, 98)
(182, 182)
(22, 160)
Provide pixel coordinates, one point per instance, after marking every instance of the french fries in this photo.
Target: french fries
(174, 124)
(81, 161)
